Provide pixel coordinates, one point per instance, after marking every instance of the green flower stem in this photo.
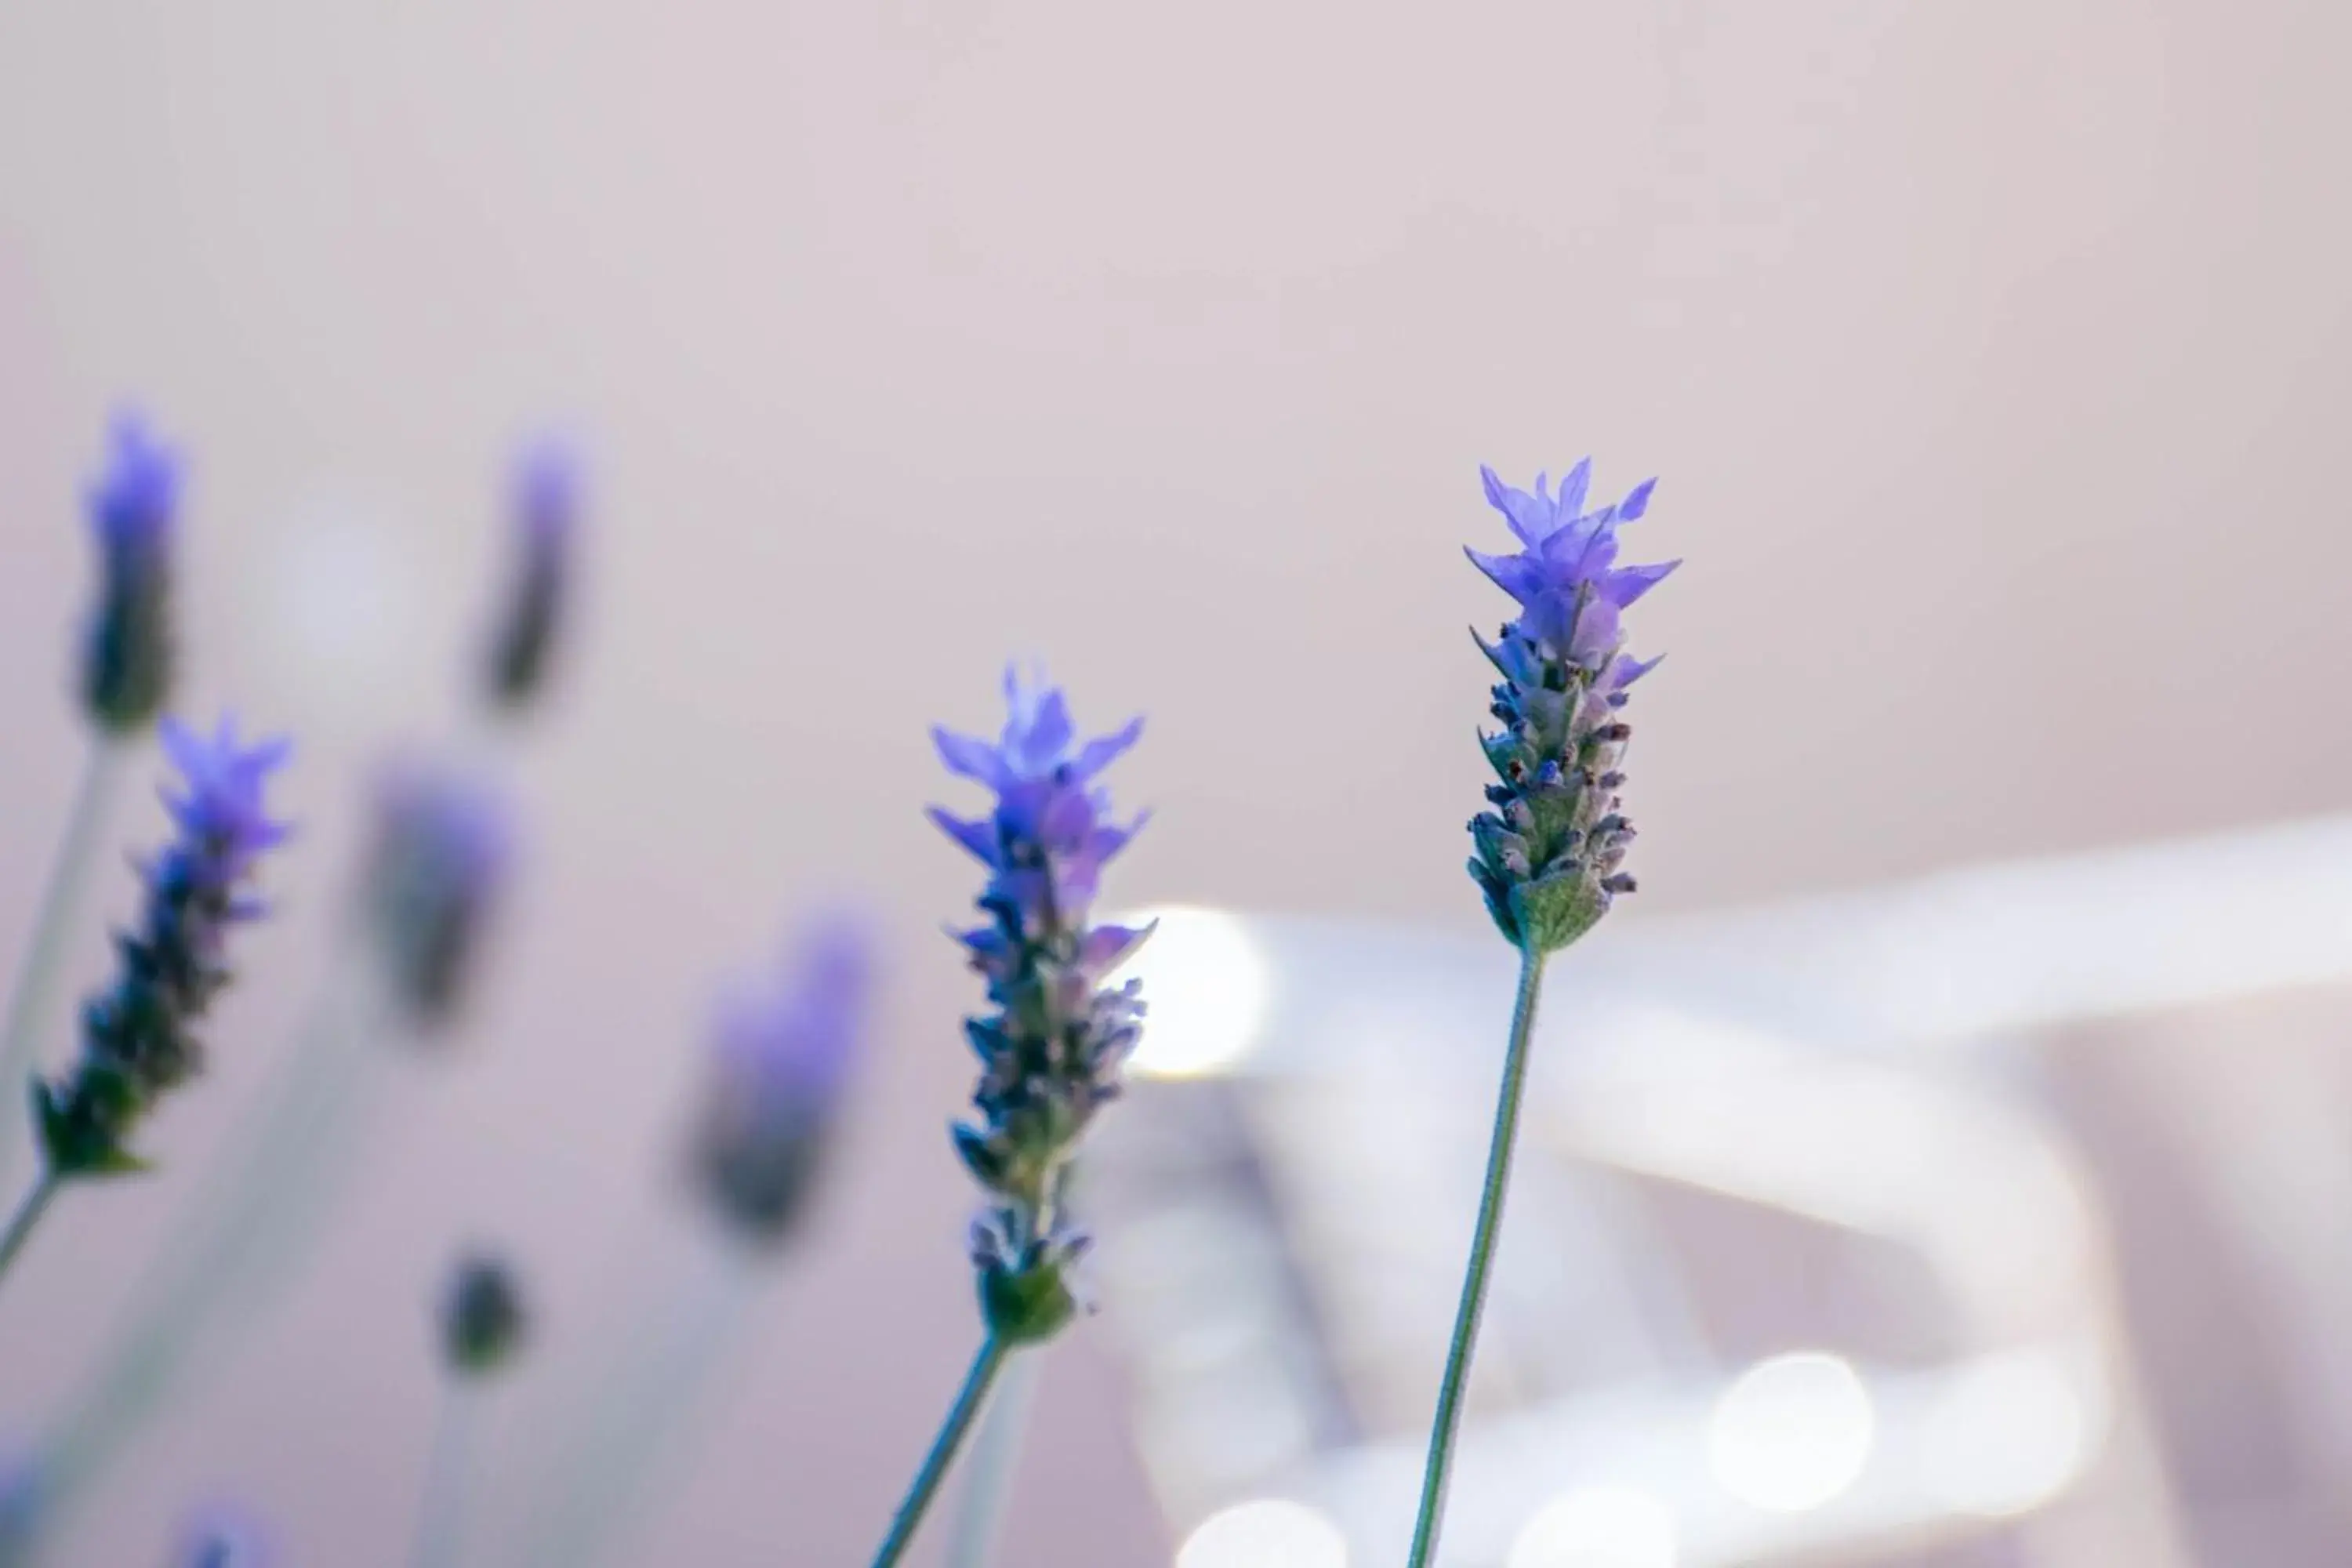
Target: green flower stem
(441, 1507)
(29, 1210)
(968, 1400)
(39, 967)
(994, 1456)
(1442, 1430)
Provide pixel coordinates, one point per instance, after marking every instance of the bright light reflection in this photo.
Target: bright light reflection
(1207, 984)
(2005, 1436)
(1791, 1433)
(1598, 1527)
(1269, 1533)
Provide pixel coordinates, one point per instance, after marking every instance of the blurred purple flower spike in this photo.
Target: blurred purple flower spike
(782, 1061)
(134, 506)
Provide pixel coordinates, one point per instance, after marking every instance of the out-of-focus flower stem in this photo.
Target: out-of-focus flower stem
(1448, 1421)
(441, 1508)
(28, 1213)
(944, 1448)
(59, 911)
(994, 1456)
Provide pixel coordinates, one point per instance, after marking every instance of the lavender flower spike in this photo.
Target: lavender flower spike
(1549, 851)
(1549, 854)
(780, 1065)
(1052, 1047)
(135, 508)
(440, 861)
(138, 1042)
(1053, 1042)
(545, 506)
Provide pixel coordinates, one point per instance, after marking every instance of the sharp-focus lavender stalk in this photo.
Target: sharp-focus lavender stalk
(781, 1058)
(545, 507)
(481, 1326)
(1055, 1036)
(125, 676)
(1550, 850)
(440, 859)
(138, 1042)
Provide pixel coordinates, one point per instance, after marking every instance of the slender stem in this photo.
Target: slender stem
(994, 1456)
(973, 1395)
(38, 966)
(441, 1508)
(1434, 1475)
(630, 1441)
(29, 1210)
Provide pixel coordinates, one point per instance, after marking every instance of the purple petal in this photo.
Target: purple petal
(971, 758)
(1572, 487)
(1636, 501)
(1041, 742)
(1101, 752)
(1107, 946)
(1627, 584)
(1514, 574)
(980, 837)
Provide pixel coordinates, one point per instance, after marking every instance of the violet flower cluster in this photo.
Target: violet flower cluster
(437, 866)
(137, 1037)
(1549, 851)
(545, 508)
(1053, 1044)
(780, 1063)
(127, 648)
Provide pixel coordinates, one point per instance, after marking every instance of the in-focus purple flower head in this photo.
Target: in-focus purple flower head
(1052, 1047)
(1051, 832)
(781, 1060)
(1570, 589)
(1550, 852)
(547, 496)
(442, 854)
(134, 504)
(137, 1036)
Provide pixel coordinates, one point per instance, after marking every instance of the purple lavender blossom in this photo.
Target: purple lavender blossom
(134, 506)
(545, 505)
(780, 1066)
(1052, 1049)
(442, 852)
(137, 1042)
(1550, 852)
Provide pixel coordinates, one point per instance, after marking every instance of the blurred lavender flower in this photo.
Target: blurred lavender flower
(545, 507)
(780, 1065)
(482, 1316)
(133, 509)
(137, 1043)
(1548, 853)
(1052, 1049)
(223, 1537)
(439, 862)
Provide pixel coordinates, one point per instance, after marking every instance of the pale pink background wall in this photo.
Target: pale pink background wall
(1994, 357)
